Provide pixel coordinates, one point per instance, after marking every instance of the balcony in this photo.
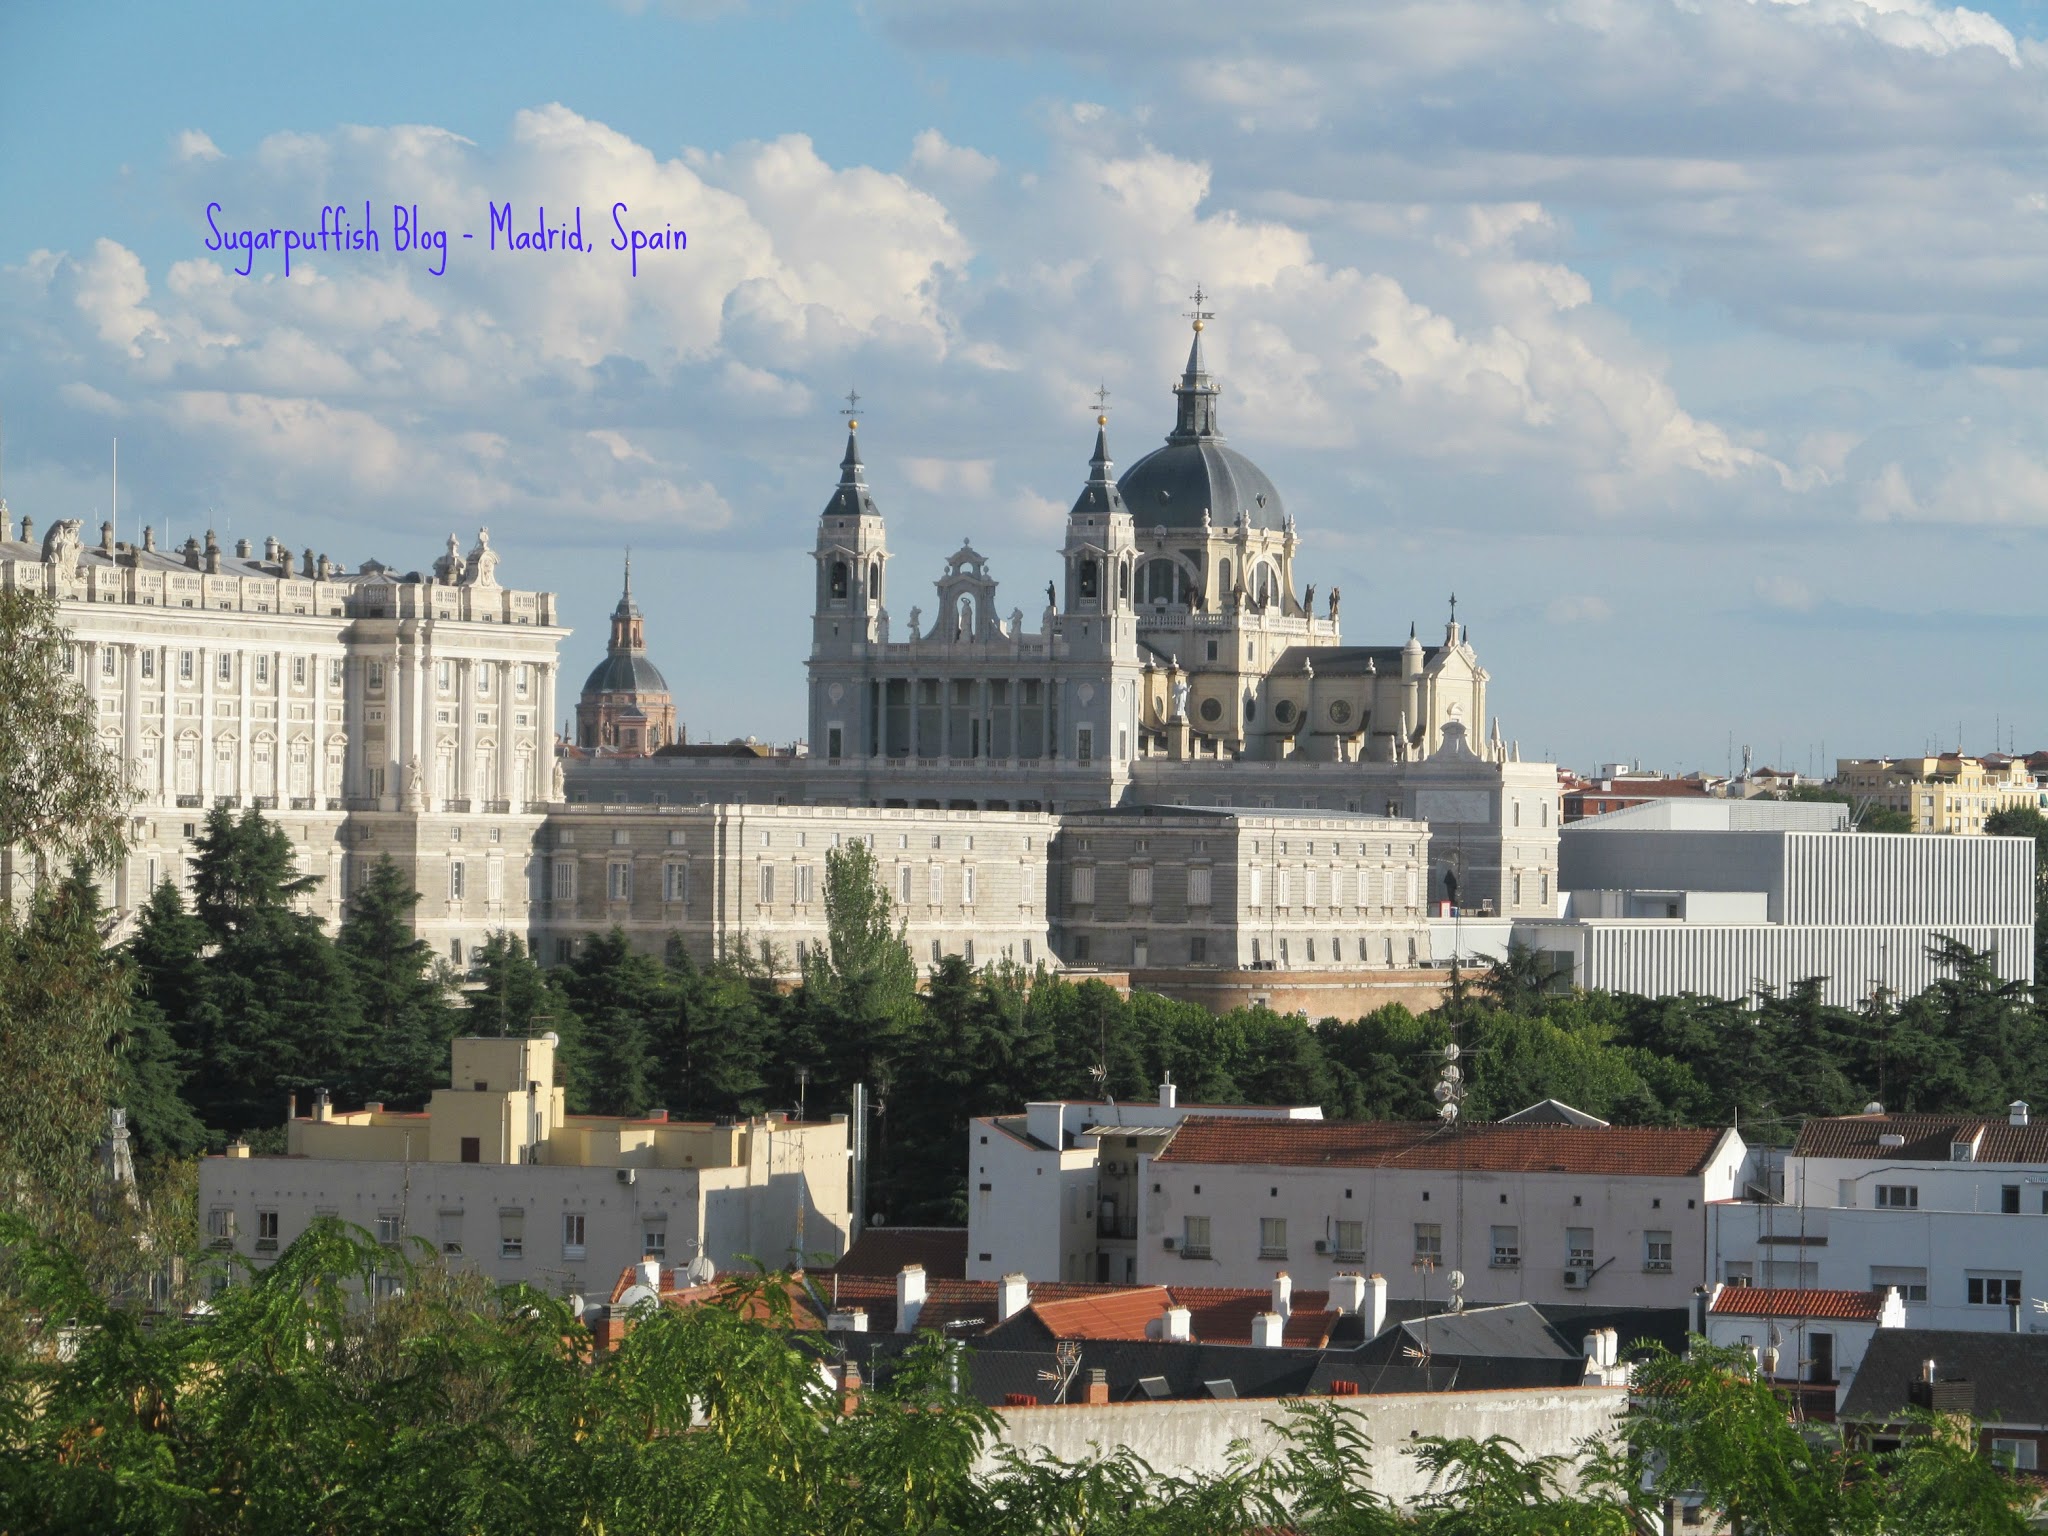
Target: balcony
(264, 802)
(497, 807)
(304, 803)
(189, 802)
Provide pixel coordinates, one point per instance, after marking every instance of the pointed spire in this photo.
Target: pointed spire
(626, 608)
(851, 472)
(1100, 465)
(1196, 419)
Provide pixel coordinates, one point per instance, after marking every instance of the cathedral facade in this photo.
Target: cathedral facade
(1180, 656)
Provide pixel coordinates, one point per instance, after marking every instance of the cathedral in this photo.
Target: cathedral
(625, 706)
(1181, 656)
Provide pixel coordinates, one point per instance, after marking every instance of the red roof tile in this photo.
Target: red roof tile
(1763, 1301)
(1927, 1138)
(1124, 1314)
(1614, 1151)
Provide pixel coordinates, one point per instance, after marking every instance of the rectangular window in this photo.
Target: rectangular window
(675, 882)
(225, 667)
(1657, 1252)
(2009, 1199)
(565, 879)
(483, 680)
(1194, 1241)
(572, 1234)
(444, 675)
(903, 884)
(1141, 886)
(1898, 1197)
(2015, 1455)
(1429, 1243)
(1996, 1289)
(654, 1240)
(185, 666)
(1283, 888)
(1257, 890)
(1198, 949)
(376, 676)
(262, 671)
(619, 882)
(1910, 1281)
(967, 886)
(448, 1231)
(472, 1149)
(220, 1224)
(1084, 745)
(805, 883)
(1507, 1248)
(458, 874)
(511, 1234)
(148, 663)
(1080, 946)
(266, 1231)
(387, 1227)
(938, 884)
(1350, 1239)
(298, 671)
(1084, 885)
(766, 878)
(1272, 1237)
(1578, 1247)
(1198, 886)
(334, 673)
(106, 661)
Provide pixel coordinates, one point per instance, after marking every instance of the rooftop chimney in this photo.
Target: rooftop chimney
(849, 1387)
(852, 1320)
(1347, 1292)
(909, 1297)
(149, 537)
(1267, 1330)
(238, 1148)
(323, 1106)
(2016, 1112)
(1283, 1294)
(242, 549)
(1375, 1312)
(1169, 1095)
(1013, 1295)
(107, 537)
(1927, 1372)
(1176, 1325)
(649, 1274)
(1098, 1386)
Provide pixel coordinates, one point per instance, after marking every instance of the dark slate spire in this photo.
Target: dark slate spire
(1197, 391)
(627, 608)
(852, 498)
(851, 471)
(1100, 494)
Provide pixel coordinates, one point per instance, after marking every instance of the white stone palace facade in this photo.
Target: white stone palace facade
(367, 711)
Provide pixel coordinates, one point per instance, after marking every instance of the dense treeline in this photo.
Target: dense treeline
(242, 1000)
(453, 1407)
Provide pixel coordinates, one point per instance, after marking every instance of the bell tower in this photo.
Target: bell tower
(849, 622)
(1101, 548)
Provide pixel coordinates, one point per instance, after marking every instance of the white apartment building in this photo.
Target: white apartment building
(367, 712)
(497, 1177)
(1951, 1210)
(1597, 1215)
(1809, 1342)
(1054, 1192)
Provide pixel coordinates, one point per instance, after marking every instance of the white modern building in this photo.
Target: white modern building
(1809, 1342)
(497, 1177)
(1720, 897)
(1054, 1192)
(1950, 1210)
(1546, 1213)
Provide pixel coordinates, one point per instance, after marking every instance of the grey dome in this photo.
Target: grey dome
(626, 672)
(1170, 486)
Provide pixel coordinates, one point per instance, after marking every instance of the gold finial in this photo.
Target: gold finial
(1102, 421)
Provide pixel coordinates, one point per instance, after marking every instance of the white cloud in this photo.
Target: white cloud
(192, 144)
(1580, 609)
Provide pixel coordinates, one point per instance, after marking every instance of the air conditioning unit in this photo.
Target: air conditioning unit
(1170, 1245)
(1575, 1279)
(626, 1175)
(1322, 1245)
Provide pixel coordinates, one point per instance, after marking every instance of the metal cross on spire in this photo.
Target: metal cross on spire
(1454, 607)
(1199, 314)
(1102, 400)
(852, 407)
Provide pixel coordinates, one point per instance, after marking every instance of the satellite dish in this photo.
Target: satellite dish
(1457, 1303)
(1456, 1280)
(632, 1296)
(1453, 1073)
(1442, 1092)
(552, 1039)
(701, 1271)
(1451, 1052)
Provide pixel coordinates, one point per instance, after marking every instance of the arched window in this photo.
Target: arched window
(1164, 582)
(1223, 579)
(1265, 584)
(1123, 579)
(874, 580)
(839, 578)
(1091, 579)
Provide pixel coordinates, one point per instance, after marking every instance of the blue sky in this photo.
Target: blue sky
(1699, 347)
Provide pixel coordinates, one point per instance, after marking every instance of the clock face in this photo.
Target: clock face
(1340, 711)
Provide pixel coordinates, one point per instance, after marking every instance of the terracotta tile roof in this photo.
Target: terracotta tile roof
(1219, 1315)
(1125, 1314)
(1763, 1301)
(885, 1250)
(1928, 1138)
(1615, 1151)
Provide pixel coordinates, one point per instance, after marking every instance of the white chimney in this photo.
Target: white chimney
(909, 1297)
(1347, 1292)
(853, 1320)
(1013, 1295)
(1375, 1313)
(1593, 1347)
(1176, 1326)
(1267, 1329)
(650, 1274)
(1283, 1294)
(1169, 1096)
(2017, 1111)
(1610, 1348)
(1927, 1372)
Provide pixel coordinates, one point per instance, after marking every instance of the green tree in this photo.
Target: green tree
(406, 1014)
(63, 796)
(710, 1044)
(2025, 821)
(617, 993)
(865, 978)
(512, 994)
(245, 874)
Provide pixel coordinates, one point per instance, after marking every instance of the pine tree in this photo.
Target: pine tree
(512, 995)
(407, 1020)
(866, 980)
(617, 993)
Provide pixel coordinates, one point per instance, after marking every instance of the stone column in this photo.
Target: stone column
(245, 667)
(425, 729)
(464, 787)
(131, 710)
(404, 704)
(206, 785)
(316, 744)
(501, 788)
(544, 745)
